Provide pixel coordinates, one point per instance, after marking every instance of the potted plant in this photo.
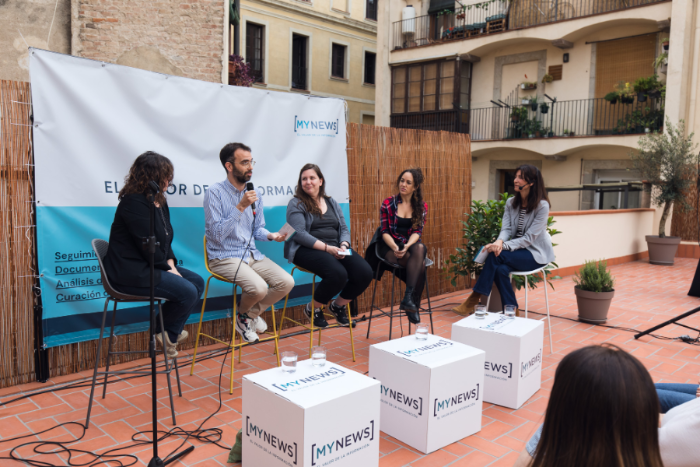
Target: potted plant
(544, 108)
(626, 92)
(664, 43)
(565, 132)
(528, 84)
(612, 97)
(482, 226)
(518, 113)
(547, 78)
(661, 62)
(644, 86)
(533, 104)
(667, 161)
(594, 291)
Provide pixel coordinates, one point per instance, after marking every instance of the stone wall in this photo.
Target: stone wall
(27, 23)
(183, 38)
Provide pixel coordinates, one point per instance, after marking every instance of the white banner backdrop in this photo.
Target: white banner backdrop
(92, 119)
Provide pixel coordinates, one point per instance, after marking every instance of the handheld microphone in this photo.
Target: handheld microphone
(249, 187)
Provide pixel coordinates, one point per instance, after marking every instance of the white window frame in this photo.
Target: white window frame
(346, 68)
(364, 55)
(266, 33)
(309, 37)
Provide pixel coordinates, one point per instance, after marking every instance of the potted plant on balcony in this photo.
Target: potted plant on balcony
(625, 92)
(544, 108)
(547, 78)
(661, 62)
(533, 104)
(482, 227)
(667, 161)
(612, 97)
(518, 113)
(594, 291)
(664, 43)
(565, 132)
(645, 86)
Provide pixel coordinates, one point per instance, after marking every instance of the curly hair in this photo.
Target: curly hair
(417, 204)
(309, 203)
(148, 166)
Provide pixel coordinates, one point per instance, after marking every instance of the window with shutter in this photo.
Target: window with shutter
(338, 61)
(254, 51)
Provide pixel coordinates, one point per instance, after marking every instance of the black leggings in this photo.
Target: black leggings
(414, 262)
(349, 276)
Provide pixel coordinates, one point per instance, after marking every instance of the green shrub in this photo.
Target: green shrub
(481, 228)
(594, 276)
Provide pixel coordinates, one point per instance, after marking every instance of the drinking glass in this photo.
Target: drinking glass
(509, 311)
(421, 331)
(318, 356)
(480, 311)
(289, 362)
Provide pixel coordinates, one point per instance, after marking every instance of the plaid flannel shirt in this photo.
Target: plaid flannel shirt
(389, 221)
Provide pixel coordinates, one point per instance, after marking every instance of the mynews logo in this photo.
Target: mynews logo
(415, 403)
(331, 373)
(440, 405)
(425, 348)
(502, 368)
(345, 443)
(315, 127)
(287, 449)
(528, 366)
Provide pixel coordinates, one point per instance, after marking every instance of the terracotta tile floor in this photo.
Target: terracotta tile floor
(645, 295)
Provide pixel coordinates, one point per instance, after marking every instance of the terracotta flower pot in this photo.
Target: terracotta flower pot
(662, 250)
(593, 306)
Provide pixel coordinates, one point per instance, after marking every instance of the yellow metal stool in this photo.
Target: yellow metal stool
(311, 326)
(273, 335)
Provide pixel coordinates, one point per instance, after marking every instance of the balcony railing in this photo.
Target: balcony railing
(442, 120)
(585, 117)
(430, 29)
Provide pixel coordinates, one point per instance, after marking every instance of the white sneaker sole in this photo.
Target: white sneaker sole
(241, 332)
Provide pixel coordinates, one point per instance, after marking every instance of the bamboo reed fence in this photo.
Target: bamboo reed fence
(376, 156)
(17, 259)
(684, 223)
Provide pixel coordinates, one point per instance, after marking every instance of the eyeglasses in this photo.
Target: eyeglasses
(250, 163)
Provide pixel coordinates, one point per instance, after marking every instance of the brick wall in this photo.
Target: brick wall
(183, 38)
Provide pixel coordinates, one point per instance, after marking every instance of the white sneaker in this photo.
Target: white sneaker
(170, 348)
(259, 325)
(245, 328)
(183, 335)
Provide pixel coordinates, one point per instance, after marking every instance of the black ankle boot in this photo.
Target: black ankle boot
(410, 307)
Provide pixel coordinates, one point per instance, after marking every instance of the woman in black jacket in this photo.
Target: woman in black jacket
(127, 262)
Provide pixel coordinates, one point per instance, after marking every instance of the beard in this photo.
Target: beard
(241, 177)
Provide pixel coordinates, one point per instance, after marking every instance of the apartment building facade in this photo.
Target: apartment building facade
(318, 47)
(545, 82)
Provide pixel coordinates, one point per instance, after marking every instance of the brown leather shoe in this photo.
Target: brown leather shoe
(467, 308)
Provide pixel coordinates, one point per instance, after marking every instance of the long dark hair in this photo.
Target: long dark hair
(148, 166)
(417, 204)
(311, 205)
(531, 174)
(603, 410)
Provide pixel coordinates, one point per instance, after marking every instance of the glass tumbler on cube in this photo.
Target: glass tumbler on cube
(480, 311)
(318, 356)
(421, 331)
(509, 311)
(289, 362)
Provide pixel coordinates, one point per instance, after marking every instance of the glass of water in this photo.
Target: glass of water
(421, 331)
(318, 356)
(289, 362)
(480, 311)
(509, 311)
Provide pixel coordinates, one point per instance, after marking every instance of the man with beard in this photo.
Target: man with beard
(230, 226)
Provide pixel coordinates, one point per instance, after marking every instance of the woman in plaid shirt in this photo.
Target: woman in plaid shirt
(403, 218)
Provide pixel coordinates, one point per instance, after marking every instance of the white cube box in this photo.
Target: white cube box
(431, 390)
(513, 367)
(316, 416)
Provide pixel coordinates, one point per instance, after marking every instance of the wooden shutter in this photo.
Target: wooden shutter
(623, 60)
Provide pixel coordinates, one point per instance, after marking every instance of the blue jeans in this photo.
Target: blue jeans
(181, 293)
(498, 268)
(673, 394)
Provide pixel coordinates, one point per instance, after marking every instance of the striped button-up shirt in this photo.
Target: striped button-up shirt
(228, 229)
